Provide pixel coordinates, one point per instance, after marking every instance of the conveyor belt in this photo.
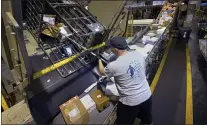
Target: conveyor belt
(170, 92)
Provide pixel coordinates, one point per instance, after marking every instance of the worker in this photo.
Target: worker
(183, 9)
(128, 71)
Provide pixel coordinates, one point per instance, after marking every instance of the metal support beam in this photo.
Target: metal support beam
(20, 57)
(6, 7)
(17, 11)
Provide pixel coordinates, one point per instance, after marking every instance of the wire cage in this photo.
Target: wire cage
(75, 33)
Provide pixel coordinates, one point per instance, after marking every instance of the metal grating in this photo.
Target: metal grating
(82, 25)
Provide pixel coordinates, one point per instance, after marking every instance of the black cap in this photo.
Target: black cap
(117, 42)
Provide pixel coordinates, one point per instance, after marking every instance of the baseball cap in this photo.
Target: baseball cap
(117, 42)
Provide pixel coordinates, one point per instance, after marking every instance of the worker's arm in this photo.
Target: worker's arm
(101, 67)
(107, 71)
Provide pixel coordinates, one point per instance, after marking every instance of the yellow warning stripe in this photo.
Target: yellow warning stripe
(189, 99)
(3, 103)
(63, 62)
(158, 73)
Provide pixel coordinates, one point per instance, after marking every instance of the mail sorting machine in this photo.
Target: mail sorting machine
(78, 27)
(77, 30)
(153, 59)
(154, 54)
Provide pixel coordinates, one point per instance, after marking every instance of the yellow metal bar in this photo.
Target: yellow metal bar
(3, 103)
(63, 62)
(132, 25)
(189, 93)
(129, 30)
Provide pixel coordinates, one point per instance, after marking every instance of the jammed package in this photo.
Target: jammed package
(64, 33)
(95, 27)
(68, 51)
(100, 99)
(51, 31)
(88, 102)
(74, 112)
(49, 19)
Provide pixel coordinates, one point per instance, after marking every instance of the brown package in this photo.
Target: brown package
(100, 99)
(74, 112)
(51, 31)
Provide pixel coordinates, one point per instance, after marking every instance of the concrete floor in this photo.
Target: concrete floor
(18, 114)
(170, 93)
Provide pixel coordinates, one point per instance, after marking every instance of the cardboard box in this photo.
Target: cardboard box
(100, 99)
(88, 103)
(74, 112)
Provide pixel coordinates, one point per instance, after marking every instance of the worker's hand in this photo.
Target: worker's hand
(100, 67)
(99, 60)
(102, 78)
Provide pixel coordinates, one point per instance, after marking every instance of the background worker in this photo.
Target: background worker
(183, 10)
(128, 71)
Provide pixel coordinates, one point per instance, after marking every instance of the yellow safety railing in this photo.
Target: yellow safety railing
(130, 29)
(65, 61)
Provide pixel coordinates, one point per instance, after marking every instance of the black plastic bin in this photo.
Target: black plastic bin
(184, 33)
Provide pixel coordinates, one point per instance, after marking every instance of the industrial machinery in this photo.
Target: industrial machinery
(57, 43)
(76, 33)
(48, 33)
